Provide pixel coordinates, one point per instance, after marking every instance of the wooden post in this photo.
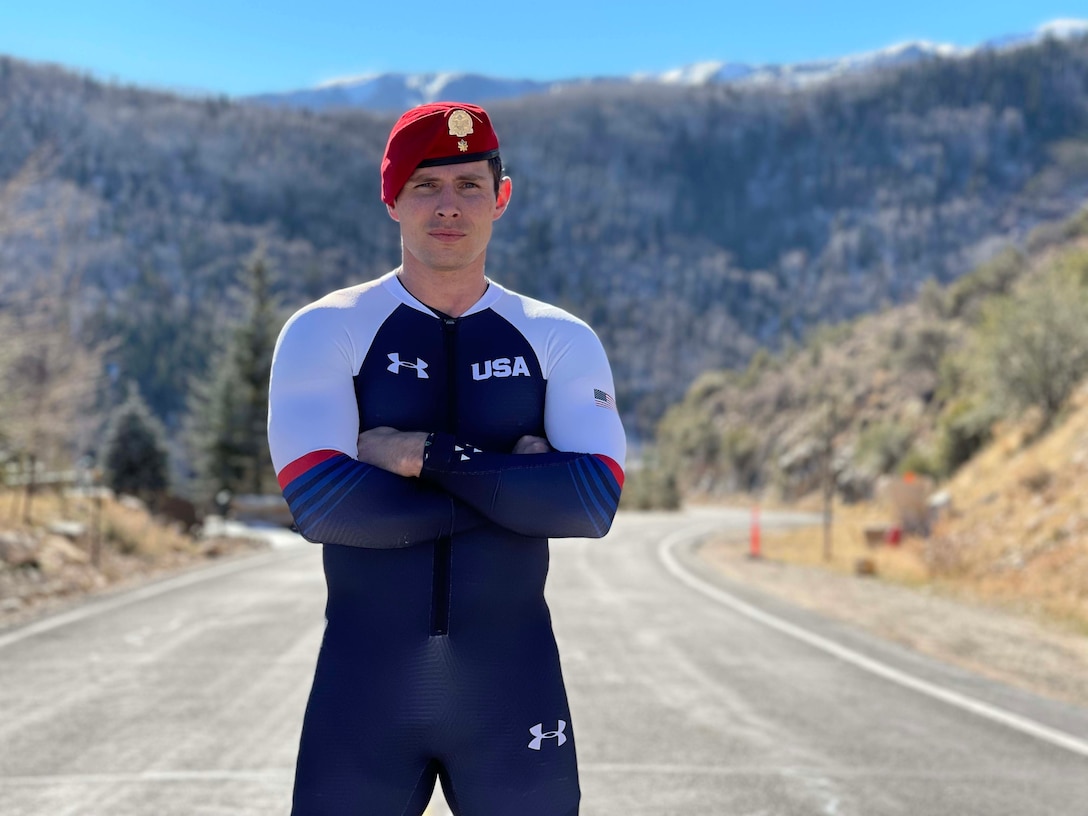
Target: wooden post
(829, 477)
(96, 528)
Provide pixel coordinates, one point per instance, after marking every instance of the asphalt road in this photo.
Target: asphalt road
(689, 696)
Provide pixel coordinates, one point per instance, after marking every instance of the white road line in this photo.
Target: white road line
(876, 667)
(125, 598)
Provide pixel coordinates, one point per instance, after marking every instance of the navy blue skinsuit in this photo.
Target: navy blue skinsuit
(438, 657)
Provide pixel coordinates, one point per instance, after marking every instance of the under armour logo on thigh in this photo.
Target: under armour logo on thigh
(539, 735)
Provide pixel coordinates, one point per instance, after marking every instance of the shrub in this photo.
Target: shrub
(1032, 350)
(649, 488)
(135, 459)
(881, 446)
(964, 427)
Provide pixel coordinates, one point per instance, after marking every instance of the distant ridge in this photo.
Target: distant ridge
(392, 92)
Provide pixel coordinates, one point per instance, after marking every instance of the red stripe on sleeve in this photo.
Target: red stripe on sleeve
(613, 465)
(302, 464)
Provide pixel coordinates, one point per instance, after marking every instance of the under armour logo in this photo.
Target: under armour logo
(464, 450)
(539, 735)
(396, 364)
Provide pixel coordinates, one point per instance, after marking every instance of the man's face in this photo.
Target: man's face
(446, 212)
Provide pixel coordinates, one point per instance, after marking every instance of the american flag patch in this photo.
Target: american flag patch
(603, 399)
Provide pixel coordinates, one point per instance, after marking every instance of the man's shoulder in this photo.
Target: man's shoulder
(350, 297)
(346, 303)
(344, 313)
(519, 307)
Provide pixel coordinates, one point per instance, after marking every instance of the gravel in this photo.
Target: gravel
(1020, 650)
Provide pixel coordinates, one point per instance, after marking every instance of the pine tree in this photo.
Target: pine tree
(253, 345)
(229, 412)
(135, 458)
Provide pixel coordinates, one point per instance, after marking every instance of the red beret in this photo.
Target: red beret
(436, 133)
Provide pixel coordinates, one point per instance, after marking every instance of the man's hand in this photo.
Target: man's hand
(532, 444)
(399, 452)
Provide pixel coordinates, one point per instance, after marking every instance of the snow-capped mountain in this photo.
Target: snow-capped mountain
(396, 92)
(1059, 29)
(804, 73)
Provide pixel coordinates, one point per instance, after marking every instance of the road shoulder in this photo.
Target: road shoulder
(992, 642)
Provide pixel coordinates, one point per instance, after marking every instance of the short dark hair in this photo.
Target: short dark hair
(495, 164)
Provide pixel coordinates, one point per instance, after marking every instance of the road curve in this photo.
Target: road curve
(689, 695)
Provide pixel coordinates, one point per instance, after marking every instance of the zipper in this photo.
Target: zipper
(443, 554)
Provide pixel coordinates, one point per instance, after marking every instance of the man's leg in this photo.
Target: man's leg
(357, 754)
(511, 746)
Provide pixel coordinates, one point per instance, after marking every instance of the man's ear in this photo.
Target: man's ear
(392, 210)
(506, 189)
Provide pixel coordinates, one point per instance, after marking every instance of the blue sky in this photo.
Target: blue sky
(238, 48)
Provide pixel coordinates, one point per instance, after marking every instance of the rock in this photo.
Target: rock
(132, 503)
(69, 529)
(17, 548)
(865, 567)
(875, 535)
(55, 552)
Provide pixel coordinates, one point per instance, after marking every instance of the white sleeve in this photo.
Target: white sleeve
(580, 412)
(311, 402)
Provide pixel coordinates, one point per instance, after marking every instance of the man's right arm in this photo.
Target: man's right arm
(336, 500)
(312, 431)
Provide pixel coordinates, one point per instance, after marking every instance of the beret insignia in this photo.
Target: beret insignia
(460, 123)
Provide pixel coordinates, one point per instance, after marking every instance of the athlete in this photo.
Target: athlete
(433, 429)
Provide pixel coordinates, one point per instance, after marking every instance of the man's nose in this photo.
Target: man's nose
(447, 205)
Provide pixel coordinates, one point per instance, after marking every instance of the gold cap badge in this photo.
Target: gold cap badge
(460, 123)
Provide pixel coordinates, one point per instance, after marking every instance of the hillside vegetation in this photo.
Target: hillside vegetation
(916, 387)
(981, 385)
(691, 226)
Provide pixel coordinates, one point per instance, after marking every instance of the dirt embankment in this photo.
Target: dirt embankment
(1015, 647)
(999, 584)
(73, 547)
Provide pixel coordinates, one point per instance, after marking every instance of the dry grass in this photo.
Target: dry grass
(1015, 535)
(120, 543)
(124, 525)
(847, 546)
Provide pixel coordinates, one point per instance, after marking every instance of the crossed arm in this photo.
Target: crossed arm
(378, 501)
(409, 487)
(534, 491)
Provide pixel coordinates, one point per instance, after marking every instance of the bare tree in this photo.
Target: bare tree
(47, 376)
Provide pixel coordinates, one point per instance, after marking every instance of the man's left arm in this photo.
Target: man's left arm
(572, 491)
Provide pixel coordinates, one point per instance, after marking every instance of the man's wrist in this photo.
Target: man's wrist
(438, 450)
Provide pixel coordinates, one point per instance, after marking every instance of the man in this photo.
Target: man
(487, 425)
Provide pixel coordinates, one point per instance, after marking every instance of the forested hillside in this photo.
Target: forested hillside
(691, 226)
(919, 387)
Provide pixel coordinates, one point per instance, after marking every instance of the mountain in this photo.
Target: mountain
(395, 92)
(691, 225)
(803, 74)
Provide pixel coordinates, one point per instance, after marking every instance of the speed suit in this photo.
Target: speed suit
(438, 658)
